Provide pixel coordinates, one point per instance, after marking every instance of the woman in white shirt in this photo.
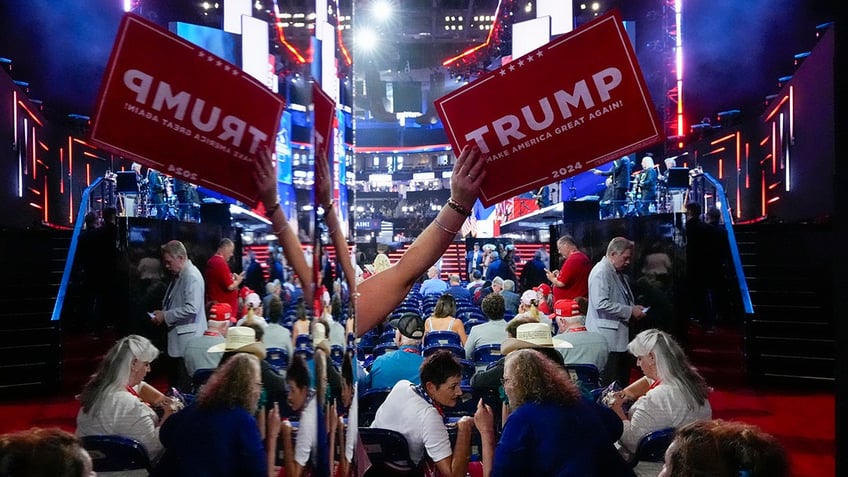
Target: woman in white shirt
(671, 394)
(302, 451)
(116, 401)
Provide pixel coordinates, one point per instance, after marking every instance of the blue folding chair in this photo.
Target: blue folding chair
(465, 313)
(368, 341)
(116, 453)
(303, 340)
(485, 354)
(388, 453)
(278, 358)
(384, 348)
(199, 378)
(584, 374)
(337, 354)
(369, 401)
(442, 338)
(478, 315)
(456, 349)
(388, 336)
(468, 370)
(471, 324)
(303, 346)
(652, 447)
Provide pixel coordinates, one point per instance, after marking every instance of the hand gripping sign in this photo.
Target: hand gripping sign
(566, 107)
(173, 106)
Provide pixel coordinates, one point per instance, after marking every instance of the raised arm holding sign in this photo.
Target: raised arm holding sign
(568, 106)
(379, 294)
(177, 108)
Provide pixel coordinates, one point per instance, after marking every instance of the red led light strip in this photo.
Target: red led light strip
(492, 32)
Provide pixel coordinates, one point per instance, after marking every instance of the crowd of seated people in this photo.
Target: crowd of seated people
(536, 392)
(615, 439)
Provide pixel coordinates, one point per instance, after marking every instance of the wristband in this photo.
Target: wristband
(453, 204)
(439, 225)
(270, 212)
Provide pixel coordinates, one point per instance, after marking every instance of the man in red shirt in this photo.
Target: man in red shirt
(573, 278)
(221, 284)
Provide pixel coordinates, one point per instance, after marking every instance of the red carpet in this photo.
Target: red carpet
(804, 421)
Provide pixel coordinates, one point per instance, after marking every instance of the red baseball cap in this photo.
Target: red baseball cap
(566, 308)
(221, 312)
(544, 288)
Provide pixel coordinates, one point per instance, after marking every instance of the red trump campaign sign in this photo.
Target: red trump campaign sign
(324, 110)
(575, 103)
(179, 109)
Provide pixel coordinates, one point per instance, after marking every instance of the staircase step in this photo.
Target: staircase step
(791, 312)
(807, 368)
(813, 348)
(773, 296)
(799, 327)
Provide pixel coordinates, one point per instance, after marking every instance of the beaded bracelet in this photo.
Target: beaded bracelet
(439, 225)
(453, 204)
(270, 212)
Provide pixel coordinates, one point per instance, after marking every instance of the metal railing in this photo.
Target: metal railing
(720, 197)
(72, 249)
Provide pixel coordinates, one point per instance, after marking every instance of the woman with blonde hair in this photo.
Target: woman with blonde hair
(443, 318)
(381, 263)
(552, 430)
(529, 307)
(672, 392)
(117, 400)
(218, 434)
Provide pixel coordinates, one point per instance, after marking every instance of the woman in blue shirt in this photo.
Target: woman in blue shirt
(218, 435)
(553, 431)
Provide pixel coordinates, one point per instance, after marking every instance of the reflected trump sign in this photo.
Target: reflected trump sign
(572, 104)
(181, 110)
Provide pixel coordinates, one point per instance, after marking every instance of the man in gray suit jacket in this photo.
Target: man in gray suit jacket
(611, 306)
(183, 309)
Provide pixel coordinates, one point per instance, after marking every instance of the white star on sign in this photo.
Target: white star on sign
(539, 54)
(503, 72)
(200, 53)
(511, 67)
(210, 59)
(530, 58)
(520, 62)
(219, 62)
(227, 67)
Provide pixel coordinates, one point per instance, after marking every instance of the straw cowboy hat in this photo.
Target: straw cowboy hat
(533, 335)
(241, 339)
